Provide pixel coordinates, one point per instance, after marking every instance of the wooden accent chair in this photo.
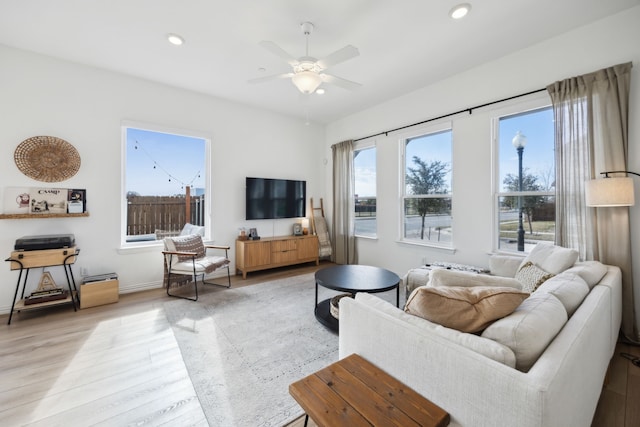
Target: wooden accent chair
(186, 258)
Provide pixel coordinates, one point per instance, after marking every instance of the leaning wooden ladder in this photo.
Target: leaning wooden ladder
(319, 228)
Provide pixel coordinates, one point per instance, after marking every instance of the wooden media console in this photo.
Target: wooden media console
(272, 252)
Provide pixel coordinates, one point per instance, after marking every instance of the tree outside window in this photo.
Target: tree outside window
(427, 189)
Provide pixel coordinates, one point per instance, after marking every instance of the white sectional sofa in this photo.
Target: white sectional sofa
(474, 378)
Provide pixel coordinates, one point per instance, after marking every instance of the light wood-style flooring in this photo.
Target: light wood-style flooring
(119, 364)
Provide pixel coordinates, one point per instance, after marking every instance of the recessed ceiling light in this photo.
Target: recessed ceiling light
(175, 39)
(320, 91)
(460, 11)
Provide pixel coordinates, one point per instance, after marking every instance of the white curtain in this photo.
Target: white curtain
(591, 133)
(344, 246)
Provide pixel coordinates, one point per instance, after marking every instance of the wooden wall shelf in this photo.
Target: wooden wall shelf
(51, 215)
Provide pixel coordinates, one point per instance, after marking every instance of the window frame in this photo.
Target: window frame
(417, 132)
(360, 146)
(537, 102)
(128, 124)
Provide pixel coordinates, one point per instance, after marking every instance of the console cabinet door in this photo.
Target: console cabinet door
(257, 254)
(308, 248)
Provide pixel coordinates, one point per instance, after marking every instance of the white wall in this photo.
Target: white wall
(601, 44)
(86, 106)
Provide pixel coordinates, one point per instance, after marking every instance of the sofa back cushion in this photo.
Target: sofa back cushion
(551, 258)
(591, 271)
(463, 308)
(569, 288)
(444, 277)
(530, 328)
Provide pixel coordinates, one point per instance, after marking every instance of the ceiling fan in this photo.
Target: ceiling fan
(308, 72)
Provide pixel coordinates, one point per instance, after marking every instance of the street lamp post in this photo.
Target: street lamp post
(519, 141)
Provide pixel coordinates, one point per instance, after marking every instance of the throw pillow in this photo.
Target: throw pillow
(530, 328)
(189, 243)
(465, 309)
(531, 276)
(551, 258)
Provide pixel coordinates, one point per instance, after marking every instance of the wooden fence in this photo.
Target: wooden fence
(146, 214)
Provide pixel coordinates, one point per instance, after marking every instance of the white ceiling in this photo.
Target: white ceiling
(404, 44)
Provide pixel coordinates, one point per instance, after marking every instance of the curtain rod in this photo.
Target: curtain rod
(469, 110)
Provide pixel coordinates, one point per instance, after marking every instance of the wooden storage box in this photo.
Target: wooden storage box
(98, 293)
(43, 258)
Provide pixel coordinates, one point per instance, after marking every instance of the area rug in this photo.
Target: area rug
(243, 347)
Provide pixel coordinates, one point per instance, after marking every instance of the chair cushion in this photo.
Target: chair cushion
(203, 265)
(192, 229)
(531, 276)
(530, 328)
(467, 309)
(551, 258)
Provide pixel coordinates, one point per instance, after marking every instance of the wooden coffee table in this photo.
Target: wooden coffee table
(352, 278)
(354, 392)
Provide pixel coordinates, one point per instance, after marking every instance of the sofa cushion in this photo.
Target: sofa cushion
(530, 328)
(488, 348)
(531, 276)
(443, 277)
(504, 265)
(462, 308)
(591, 271)
(551, 258)
(569, 288)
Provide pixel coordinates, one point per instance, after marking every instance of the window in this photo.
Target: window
(525, 179)
(426, 198)
(364, 171)
(164, 183)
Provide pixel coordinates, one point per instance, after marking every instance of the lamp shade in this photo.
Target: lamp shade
(305, 222)
(306, 81)
(609, 192)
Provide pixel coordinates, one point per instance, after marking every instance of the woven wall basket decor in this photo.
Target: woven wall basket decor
(47, 158)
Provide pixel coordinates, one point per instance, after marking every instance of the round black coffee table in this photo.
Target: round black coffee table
(352, 279)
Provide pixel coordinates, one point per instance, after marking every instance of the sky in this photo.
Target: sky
(537, 157)
(164, 163)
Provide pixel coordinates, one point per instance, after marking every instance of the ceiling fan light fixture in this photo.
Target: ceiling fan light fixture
(306, 81)
(460, 11)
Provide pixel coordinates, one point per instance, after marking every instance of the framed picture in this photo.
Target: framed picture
(48, 200)
(297, 229)
(253, 233)
(77, 200)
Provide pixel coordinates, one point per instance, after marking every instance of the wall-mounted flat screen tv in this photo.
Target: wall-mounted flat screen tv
(269, 198)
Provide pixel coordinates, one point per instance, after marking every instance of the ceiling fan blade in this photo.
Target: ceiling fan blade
(338, 56)
(278, 51)
(269, 78)
(338, 81)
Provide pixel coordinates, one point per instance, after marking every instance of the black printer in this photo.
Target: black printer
(49, 241)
